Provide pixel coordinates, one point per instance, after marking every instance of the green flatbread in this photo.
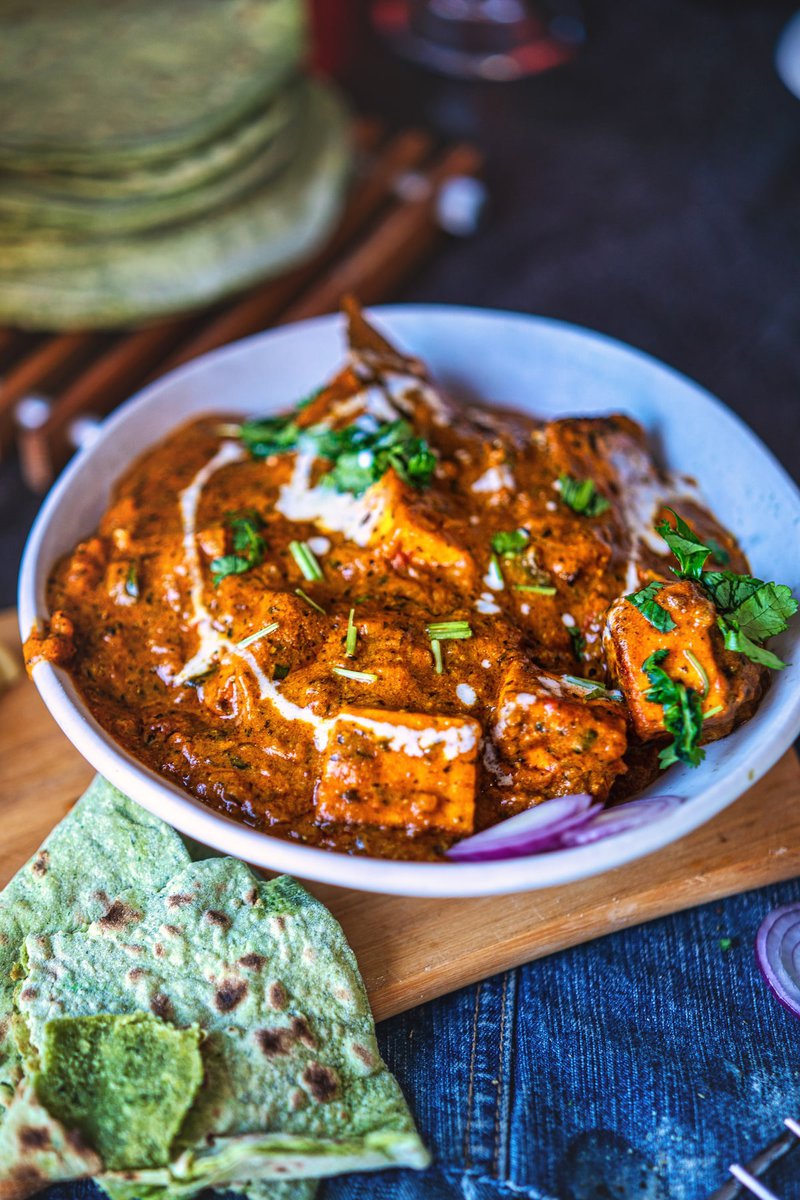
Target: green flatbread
(90, 84)
(41, 1150)
(294, 1083)
(126, 1082)
(24, 213)
(191, 264)
(103, 848)
(170, 177)
(295, 1189)
(35, 1149)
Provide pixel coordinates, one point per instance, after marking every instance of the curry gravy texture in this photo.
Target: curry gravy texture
(402, 763)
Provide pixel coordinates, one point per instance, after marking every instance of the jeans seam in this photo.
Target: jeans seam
(506, 1073)
(471, 1085)
(478, 1176)
(497, 1104)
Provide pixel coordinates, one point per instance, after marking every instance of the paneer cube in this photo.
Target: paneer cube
(556, 740)
(411, 529)
(399, 769)
(730, 683)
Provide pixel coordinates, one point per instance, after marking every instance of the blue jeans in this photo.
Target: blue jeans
(636, 1067)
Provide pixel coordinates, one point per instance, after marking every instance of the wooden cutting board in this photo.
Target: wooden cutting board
(413, 950)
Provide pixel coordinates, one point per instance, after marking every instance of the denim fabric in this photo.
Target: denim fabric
(633, 1068)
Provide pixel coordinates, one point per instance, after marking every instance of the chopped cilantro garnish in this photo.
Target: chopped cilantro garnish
(700, 669)
(352, 636)
(582, 496)
(362, 454)
(593, 689)
(305, 596)
(578, 642)
(718, 552)
(359, 676)
(748, 610)
(648, 606)
(255, 637)
(132, 582)
(306, 560)
(683, 715)
(444, 631)
(280, 671)
(494, 576)
(274, 435)
(248, 547)
(684, 543)
(510, 542)
(270, 435)
(539, 589)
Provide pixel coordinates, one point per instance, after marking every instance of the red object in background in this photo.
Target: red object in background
(482, 39)
(334, 34)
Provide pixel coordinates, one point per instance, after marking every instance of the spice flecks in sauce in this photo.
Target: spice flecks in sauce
(382, 759)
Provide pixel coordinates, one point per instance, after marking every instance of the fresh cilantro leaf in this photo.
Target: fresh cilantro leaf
(362, 455)
(578, 642)
(228, 564)
(749, 610)
(270, 435)
(275, 435)
(765, 612)
(727, 590)
(647, 605)
(736, 640)
(132, 582)
(582, 496)
(684, 543)
(248, 546)
(683, 713)
(510, 542)
(719, 553)
(246, 536)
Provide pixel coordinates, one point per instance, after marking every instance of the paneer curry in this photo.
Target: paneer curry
(387, 619)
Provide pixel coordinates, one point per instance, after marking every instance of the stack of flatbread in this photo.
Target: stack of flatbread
(169, 1025)
(154, 157)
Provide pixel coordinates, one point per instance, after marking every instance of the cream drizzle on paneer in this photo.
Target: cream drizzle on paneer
(453, 740)
(212, 642)
(495, 479)
(356, 517)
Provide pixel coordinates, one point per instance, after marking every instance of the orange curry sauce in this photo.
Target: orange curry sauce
(433, 739)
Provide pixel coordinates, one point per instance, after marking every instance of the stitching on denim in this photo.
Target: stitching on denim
(471, 1086)
(506, 1071)
(499, 1088)
(477, 1176)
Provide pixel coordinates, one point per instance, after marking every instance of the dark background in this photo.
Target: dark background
(650, 189)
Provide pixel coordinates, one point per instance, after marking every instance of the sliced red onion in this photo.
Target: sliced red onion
(778, 955)
(560, 824)
(536, 829)
(620, 819)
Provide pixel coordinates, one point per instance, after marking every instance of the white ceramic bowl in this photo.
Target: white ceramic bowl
(540, 365)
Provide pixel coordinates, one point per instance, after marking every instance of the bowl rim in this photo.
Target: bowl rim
(410, 878)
